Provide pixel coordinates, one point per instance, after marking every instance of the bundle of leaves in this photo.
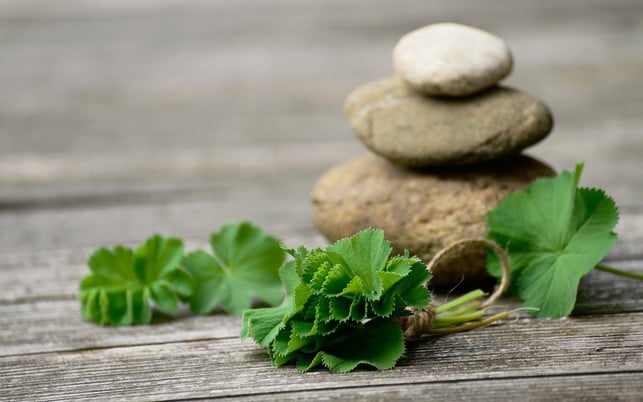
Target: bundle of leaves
(341, 305)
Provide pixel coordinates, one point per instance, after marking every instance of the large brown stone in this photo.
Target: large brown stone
(421, 211)
(412, 129)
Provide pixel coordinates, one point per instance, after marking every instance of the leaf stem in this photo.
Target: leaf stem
(616, 271)
(467, 308)
(475, 294)
(445, 321)
(472, 325)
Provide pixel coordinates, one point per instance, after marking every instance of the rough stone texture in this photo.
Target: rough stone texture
(412, 129)
(451, 59)
(422, 211)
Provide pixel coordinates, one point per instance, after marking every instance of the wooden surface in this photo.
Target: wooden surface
(122, 118)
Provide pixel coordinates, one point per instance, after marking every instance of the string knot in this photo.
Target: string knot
(419, 322)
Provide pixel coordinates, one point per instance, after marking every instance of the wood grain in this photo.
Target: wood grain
(594, 388)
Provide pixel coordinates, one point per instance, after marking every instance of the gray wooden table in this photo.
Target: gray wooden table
(120, 119)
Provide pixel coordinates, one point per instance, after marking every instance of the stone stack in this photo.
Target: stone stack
(446, 142)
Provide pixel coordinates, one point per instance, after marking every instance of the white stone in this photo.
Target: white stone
(449, 59)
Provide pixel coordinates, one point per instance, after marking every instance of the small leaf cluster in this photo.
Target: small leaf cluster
(554, 233)
(340, 306)
(124, 283)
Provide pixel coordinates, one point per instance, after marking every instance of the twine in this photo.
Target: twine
(421, 320)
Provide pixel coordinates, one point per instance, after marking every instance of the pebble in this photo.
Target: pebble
(412, 129)
(451, 59)
(421, 211)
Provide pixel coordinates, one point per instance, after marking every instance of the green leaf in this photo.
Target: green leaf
(123, 282)
(164, 296)
(209, 284)
(337, 280)
(379, 343)
(411, 289)
(365, 254)
(263, 324)
(244, 264)
(555, 233)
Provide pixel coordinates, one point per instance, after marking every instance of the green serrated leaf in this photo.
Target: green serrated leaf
(123, 282)
(380, 344)
(340, 308)
(299, 342)
(327, 327)
(323, 312)
(400, 265)
(244, 264)
(111, 266)
(578, 171)
(280, 343)
(412, 289)
(320, 276)
(157, 257)
(358, 309)
(353, 289)
(385, 306)
(306, 362)
(209, 285)
(555, 234)
(389, 279)
(279, 360)
(337, 280)
(311, 263)
(302, 328)
(365, 254)
(263, 324)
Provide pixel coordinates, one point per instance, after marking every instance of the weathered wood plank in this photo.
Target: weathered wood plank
(284, 209)
(587, 388)
(604, 293)
(604, 345)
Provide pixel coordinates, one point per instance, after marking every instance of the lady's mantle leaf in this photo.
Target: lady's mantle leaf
(555, 233)
(122, 282)
(263, 324)
(379, 343)
(245, 263)
(364, 254)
